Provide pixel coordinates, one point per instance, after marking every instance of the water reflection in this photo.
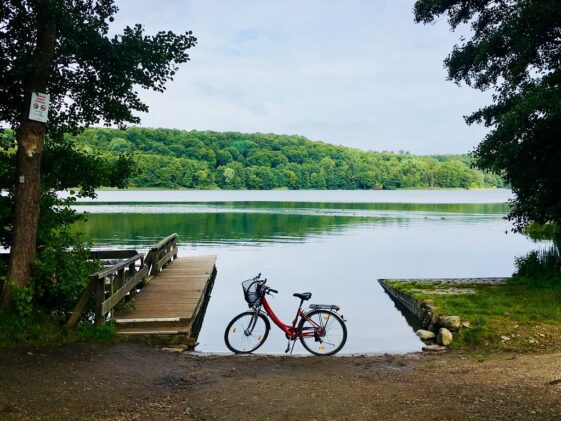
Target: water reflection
(223, 223)
(335, 250)
(208, 228)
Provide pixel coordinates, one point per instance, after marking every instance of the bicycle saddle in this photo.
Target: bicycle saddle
(304, 296)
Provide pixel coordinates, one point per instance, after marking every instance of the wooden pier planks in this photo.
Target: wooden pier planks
(171, 302)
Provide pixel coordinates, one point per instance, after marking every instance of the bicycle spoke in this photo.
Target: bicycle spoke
(246, 333)
(329, 333)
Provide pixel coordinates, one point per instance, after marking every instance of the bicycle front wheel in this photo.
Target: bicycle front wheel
(323, 332)
(247, 332)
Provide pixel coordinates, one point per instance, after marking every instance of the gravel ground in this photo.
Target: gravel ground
(137, 381)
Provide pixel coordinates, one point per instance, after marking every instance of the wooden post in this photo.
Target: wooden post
(99, 298)
(119, 280)
(75, 316)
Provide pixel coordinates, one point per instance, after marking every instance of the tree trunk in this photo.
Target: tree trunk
(30, 139)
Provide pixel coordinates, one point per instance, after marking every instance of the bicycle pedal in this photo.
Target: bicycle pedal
(287, 348)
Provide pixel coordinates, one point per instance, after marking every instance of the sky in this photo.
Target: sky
(355, 73)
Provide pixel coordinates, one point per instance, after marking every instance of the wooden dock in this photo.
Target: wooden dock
(165, 295)
(171, 302)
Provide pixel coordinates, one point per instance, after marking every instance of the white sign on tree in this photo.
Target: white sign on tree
(39, 108)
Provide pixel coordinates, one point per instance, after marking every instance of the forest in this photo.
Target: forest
(166, 158)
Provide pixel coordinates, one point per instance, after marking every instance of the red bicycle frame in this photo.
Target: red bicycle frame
(291, 330)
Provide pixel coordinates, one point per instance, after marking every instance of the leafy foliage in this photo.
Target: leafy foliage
(94, 77)
(64, 48)
(514, 49)
(62, 267)
(546, 261)
(40, 330)
(181, 159)
(61, 275)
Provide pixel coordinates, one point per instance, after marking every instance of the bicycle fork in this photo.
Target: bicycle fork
(252, 324)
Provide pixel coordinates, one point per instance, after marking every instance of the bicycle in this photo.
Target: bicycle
(321, 330)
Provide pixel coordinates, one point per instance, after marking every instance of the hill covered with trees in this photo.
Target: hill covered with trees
(204, 159)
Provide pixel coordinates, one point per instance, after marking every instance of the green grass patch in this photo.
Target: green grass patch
(525, 309)
(40, 331)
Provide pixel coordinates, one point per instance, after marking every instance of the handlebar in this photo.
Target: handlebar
(266, 290)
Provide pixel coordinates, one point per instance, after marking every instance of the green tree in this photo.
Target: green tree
(61, 268)
(172, 159)
(514, 49)
(63, 48)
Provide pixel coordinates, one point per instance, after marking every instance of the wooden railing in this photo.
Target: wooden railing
(112, 284)
(162, 253)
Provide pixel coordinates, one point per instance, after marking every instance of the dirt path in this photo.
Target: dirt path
(136, 381)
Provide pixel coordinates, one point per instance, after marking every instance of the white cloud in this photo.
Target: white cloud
(357, 73)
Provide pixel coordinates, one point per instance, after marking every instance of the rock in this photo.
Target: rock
(425, 335)
(182, 346)
(444, 337)
(434, 348)
(466, 325)
(505, 338)
(430, 308)
(450, 322)
(174, 350)
(427, 302)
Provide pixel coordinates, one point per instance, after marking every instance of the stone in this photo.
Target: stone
(430, 308)
(450, 322)
(174, 350)
(434, 348)
(466, 325)
(425, 335)
(505, 338)
(444, 337)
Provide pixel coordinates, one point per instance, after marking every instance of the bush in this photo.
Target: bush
(40, 330)
(61, 275)
(542, 262)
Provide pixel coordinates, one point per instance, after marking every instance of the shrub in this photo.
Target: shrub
(61, 275)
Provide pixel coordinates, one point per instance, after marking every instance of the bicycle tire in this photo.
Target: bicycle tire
(335, 331)
(251, 341)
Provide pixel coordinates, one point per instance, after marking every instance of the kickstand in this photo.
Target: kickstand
(288, 347)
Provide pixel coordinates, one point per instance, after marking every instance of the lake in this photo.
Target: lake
(335, 244)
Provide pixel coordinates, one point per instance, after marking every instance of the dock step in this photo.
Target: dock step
(153, 323)
(152, 331)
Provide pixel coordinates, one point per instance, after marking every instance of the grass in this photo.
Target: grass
(525, 310)
(40, 331)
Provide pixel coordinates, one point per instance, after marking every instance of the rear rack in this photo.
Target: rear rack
(324, 306)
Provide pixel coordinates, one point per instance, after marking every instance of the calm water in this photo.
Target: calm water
(335, 244)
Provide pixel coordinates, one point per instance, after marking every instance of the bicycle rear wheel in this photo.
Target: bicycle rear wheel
(246, 332)
(324, 332)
